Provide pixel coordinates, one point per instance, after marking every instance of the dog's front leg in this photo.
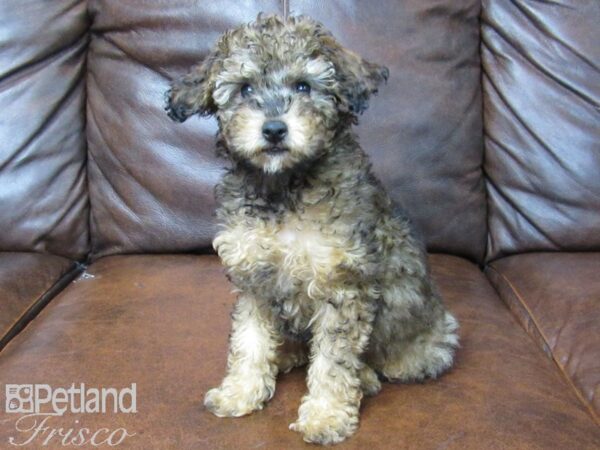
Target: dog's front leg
(341, 328)
(251, 363)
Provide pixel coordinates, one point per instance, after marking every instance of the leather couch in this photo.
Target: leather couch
(487, 132)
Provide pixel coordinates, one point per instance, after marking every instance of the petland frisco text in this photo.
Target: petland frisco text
(38, 404)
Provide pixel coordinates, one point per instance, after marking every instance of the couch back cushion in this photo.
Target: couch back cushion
(43, 185)
(152, 180)
(542, 123)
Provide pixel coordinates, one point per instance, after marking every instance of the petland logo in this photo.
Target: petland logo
(38, 404)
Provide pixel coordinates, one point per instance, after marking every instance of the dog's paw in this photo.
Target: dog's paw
(235, 400)
(324, 422)
(291, 357)
(369, 382)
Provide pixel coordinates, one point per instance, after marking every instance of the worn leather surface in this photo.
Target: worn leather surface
(556, 297)
(541, 64)
(162, 322)
(43, 185)
(151, 179)
(24, 278)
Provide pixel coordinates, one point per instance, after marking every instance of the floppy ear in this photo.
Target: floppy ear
(357, 79)
(192, 94)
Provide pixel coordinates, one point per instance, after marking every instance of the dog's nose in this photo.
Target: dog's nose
(274, 131)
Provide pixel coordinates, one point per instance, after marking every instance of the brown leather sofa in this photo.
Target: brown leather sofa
(488, 133)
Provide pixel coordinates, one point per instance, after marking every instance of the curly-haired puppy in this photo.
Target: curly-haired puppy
(307, 234)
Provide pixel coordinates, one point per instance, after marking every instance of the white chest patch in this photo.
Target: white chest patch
(305, 254)
(302, 244)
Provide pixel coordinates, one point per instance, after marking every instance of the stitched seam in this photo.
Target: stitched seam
(40, 303)
(578, 393)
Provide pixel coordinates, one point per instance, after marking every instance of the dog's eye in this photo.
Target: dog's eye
(303, 87)
(246, 90)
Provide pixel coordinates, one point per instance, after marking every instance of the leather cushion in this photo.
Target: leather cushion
(163, 321)
(541, 88)
(556, 297)
(43, 183)
(152, 179)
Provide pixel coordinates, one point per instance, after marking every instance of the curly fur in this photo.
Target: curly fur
(308, 235)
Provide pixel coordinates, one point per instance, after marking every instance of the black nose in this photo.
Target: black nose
(274, 131)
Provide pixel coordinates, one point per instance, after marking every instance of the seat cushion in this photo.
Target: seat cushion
(162, 322)
(26, 280)
(556, 297)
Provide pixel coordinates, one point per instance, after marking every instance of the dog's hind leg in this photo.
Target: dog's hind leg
(413, 337)
(426, 354)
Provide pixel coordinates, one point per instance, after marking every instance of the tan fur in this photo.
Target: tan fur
(308, 235)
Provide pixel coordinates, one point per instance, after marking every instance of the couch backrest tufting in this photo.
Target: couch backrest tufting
(536, 186)
(43, 184)
(541, 63)
(151, 180)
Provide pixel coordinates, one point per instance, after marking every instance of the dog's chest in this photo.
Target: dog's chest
(307, 250)
(293, 252)
(288, 263)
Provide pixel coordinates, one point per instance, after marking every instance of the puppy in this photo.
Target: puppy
(325, 272)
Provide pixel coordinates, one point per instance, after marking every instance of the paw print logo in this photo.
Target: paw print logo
(19, 398)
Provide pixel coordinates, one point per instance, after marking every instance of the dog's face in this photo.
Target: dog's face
(281, 90)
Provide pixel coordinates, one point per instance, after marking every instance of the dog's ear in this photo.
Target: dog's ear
(193, 93)
(357, 79)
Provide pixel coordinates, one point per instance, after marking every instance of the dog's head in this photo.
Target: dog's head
(280, 89)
